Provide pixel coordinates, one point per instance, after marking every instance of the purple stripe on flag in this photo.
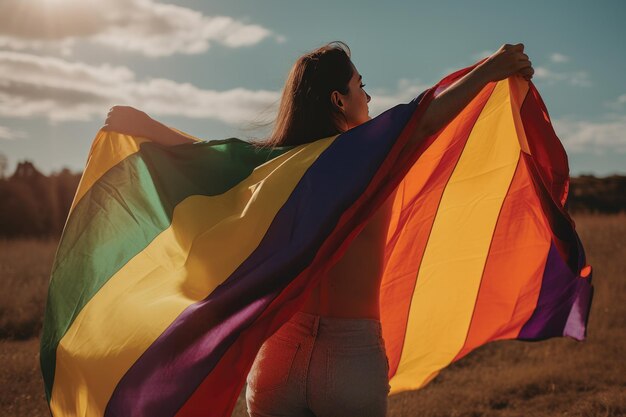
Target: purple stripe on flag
(563, 303)
(576, 326)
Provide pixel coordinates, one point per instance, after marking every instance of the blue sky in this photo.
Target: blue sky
(213, 68)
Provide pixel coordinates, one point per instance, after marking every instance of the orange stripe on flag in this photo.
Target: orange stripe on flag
(426, 179)
(520, 244)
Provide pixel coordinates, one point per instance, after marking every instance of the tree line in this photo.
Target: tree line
(36, 205)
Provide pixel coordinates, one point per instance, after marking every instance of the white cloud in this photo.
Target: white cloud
(616, 104)
(142, 26)
(59, 90)
(405, 91)
(558, 58)
(577, 78)
(10, 134)
(598, 137)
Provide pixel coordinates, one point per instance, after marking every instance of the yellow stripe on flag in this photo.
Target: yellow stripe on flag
(111, 152)
(452, 266)
(112, 148)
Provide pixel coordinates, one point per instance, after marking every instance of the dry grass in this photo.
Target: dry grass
(25, 266)
(22, 387)
(557, 377)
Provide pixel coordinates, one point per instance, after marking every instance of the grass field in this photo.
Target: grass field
(556, 377)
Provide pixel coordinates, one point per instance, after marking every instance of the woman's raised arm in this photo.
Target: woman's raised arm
(507, 61)
(130, 121)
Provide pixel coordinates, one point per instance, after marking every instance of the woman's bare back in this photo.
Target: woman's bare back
(351, 288)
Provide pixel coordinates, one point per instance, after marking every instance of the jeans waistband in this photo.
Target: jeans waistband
(335, 324)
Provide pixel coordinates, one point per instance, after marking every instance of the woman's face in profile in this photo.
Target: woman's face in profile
(355, 102)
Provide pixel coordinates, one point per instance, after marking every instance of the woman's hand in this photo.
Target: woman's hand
(130, 121)
(507, 61)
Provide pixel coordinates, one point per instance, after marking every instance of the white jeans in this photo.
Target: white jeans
(320, 366)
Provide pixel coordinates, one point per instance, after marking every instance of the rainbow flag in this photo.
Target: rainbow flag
(176, 263)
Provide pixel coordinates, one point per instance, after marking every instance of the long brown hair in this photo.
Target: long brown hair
(306, 112)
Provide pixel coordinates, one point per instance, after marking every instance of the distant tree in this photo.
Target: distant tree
(598, 195)
(19, 211)
(33, 204)
(41, 198)
(65, 184)
(4, 164)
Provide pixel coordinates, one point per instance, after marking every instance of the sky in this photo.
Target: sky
(215, 69)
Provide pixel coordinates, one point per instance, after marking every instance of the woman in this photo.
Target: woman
(329, 358)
